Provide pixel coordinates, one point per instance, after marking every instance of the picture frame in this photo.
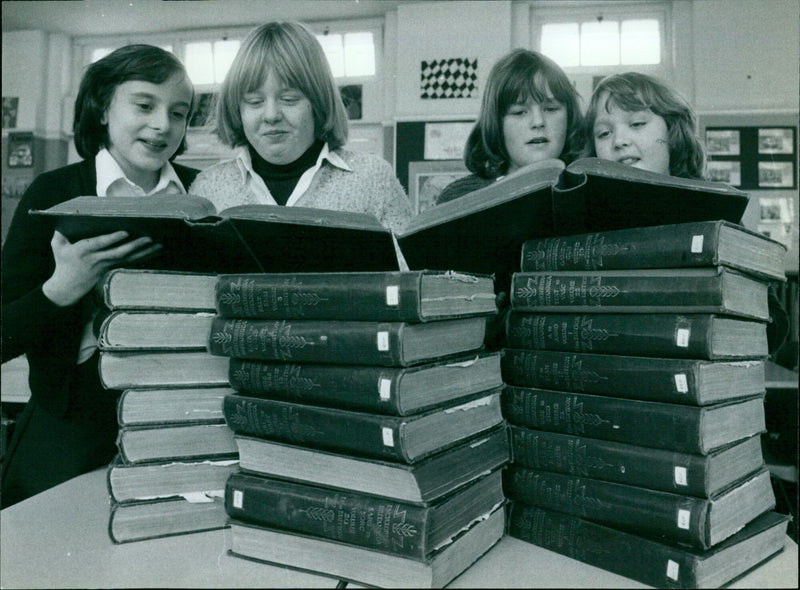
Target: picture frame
(776, 140)
(723, 142)
(10, 110)
(446, 141)
(428, 178)
(20, 150)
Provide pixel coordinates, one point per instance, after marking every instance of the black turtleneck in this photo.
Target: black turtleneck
(282, 178)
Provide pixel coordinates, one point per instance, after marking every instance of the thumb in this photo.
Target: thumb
(59, 239)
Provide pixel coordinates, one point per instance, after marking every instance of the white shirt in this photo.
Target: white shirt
(112, 182)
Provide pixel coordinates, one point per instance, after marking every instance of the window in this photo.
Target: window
(208, 61)
(349, 54)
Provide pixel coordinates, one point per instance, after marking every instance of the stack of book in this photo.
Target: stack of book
(367, 420)
(635, 384)
(175, 450)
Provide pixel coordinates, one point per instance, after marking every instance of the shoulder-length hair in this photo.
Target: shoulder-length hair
(140, 62)
(293, 54)
(520, 75)
(633, 91)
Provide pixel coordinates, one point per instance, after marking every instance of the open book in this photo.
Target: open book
(481, 232)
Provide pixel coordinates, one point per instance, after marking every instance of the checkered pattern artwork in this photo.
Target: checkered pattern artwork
(449, 78)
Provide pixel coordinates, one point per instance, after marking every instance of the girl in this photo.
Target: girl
(530, 112)
(638, 120)
(131, 113)
(280, 106)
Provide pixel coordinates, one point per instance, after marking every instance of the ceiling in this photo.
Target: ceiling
(109, 17)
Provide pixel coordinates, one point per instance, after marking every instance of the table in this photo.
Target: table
(59, 539)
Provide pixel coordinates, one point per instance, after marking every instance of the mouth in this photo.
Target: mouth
(538, 140)
(154, 144)
(629, 160)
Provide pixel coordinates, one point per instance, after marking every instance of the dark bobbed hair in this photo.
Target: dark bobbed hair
(291, 51)
(140, 62)
(633, 91)
(517, 76)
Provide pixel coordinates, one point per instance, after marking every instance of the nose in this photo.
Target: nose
(271, 111)
(159, 119)
(621, 140)
(536, 118)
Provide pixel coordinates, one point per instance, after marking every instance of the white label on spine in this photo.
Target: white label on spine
(388, 437)
(672, 569)
(682, 337)
(383, 341)
(238, 498)
(392, 295)
(385, 388)
(697, 244)
(681, 384)
(680, 476)
(684, 518)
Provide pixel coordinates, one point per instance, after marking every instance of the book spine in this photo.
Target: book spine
(644, 378)
(658, 335)
(360, 433)
(629, 464)
(679, 518)
(367, 521)
(367, 343)
(357, 387)
(336, 296)
(673, 427)
(548, 291)
(685, 245)
(607, 548)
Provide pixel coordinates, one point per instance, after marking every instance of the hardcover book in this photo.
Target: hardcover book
(367, 566)
(153, 330)
(172, 405)
(176, 442)
(422, 482)
(187, 479)
(152, 519)
(345, 342)
(398, 391)
(131, 288)
(680, 381)
(124, 370)
(411, 296)
(396, 438)
(660, 564)
(695, 336)
(368, 521)
(674, 427)
(677, 518)
(247, 238)
(636, 465)
(700, 244)
(690, 290)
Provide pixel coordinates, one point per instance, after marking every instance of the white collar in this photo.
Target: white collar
(245, 162)
(109, 171)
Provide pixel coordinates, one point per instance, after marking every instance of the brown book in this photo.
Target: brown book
(141, 289)
(175, 442)
(152, 330)
(184, 368)
(152, 519)
(171, 405)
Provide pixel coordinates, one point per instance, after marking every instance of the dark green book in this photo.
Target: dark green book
(680, 381)
(695, 336)
(657, 563)
(675, 427)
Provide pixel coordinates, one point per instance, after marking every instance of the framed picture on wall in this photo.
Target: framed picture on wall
(20, 150)
(776, 174)
(427, 179)
(729, 172)
(10, 108)
(776, 140)
(722, 142)
(446, 141)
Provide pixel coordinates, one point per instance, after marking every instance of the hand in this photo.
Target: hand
(80, 265)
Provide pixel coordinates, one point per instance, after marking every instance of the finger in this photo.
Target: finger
(102, 242)
(143, 253)
(122, 251)
(58, 241)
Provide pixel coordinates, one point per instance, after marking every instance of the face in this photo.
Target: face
(278, 121)
(534, 131)
(146, 123)
(637, 138)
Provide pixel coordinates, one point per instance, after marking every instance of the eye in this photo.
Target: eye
(252, 101)
(638, 123)
(552, 107)
(602, 134)
(144, 106)
(179, 115)
(516, 111)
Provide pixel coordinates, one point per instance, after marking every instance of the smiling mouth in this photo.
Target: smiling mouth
(538, 140)
(629, 161)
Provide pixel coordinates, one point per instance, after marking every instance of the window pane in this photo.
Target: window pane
(200, 62)
(332, 46)
(561, 43)
(640, 42)
(600, 43)
(101, 53)
(359, 54)
(224, 52)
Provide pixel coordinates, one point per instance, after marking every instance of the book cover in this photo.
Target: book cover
(660, 564)
(171, 405)
(404, 438)
(668, 335)
(675, 427)
(152, 330)
(148, 289)
(359, 519)
(633, 464)
(175, 442)
(693, 290)
(680, 245)
(153, 519)
(680, 381)
(412, 296)
(248, 238)
(185, 368)
(345, 342)
(398, 391)
(698, 522)
(422, 482)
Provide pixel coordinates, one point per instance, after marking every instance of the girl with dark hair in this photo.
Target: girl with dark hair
(131, 114)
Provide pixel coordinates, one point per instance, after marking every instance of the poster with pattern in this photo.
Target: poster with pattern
(449, 78)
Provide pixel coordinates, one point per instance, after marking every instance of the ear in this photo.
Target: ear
(104, 118)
